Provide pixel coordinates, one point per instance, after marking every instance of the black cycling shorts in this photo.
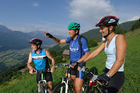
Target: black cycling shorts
(116, 82)
(78, 74)
(47, 76)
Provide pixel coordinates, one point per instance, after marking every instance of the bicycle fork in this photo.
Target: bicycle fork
(66, 86)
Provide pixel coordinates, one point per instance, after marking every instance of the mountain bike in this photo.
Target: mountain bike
(66, 84)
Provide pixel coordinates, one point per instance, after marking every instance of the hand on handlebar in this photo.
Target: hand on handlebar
(53, 69)
(72, 65)
(81, 64)
(103, 78)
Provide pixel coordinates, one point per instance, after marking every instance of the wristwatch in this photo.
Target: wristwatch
(107, 74)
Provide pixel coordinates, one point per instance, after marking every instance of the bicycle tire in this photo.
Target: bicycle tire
(84, 89)
(61, 85)
(46, 90)
(42, 88)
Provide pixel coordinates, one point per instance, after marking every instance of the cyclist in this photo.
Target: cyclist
(40, 58)
(115, 48)
(76, 54)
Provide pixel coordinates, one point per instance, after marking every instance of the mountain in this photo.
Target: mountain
(127, 25)
(10, 39)
(4, 28)
(93, 33)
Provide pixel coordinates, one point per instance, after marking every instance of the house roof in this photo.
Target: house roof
(66, 52)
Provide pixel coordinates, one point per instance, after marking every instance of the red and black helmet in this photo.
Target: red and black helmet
(108, 21)
(36, 41)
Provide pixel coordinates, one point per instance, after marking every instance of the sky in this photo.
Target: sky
(53, 16)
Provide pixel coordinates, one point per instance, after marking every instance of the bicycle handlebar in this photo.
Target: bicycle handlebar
(62, 65)
(94, 77)
(89, 71)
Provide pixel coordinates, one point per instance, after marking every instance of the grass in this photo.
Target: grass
(26, 83)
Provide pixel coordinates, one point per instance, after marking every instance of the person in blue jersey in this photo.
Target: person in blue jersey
(114, 47)
(78, 52)
(40, 57)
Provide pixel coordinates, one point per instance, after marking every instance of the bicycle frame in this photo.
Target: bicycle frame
(42, 79)
(66, 84)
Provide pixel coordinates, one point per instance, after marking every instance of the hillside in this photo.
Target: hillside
(12, 58)
(127, 25)
(25, 83)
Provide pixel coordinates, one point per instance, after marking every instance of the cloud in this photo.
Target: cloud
(90, 11)
(35, 4)
(134, 18)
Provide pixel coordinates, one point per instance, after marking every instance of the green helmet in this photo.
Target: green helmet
(74, 26)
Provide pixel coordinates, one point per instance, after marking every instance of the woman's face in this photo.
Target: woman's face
(103, 30)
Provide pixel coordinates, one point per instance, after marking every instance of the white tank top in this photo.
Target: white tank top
(111, 54)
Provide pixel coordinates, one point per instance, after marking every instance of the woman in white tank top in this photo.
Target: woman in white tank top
(115, 48)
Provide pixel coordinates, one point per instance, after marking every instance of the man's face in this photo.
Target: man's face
(34, 47)
(72, 32)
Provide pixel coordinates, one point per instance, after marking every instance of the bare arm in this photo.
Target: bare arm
(29, 62)
(52, 59)
(54, 38)
(121, 49)
(83, 57)
(31, 69)
(95, 52)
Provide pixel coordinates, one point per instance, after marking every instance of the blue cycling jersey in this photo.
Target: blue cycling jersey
(75, 51)
(39, 59)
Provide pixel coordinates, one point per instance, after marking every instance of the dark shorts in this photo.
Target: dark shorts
(78, 74)
(47, 76)
(116, 82)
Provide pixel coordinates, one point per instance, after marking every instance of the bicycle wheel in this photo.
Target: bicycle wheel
(42, 89)
(46, 90)
(60, 88)
(84, 89)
